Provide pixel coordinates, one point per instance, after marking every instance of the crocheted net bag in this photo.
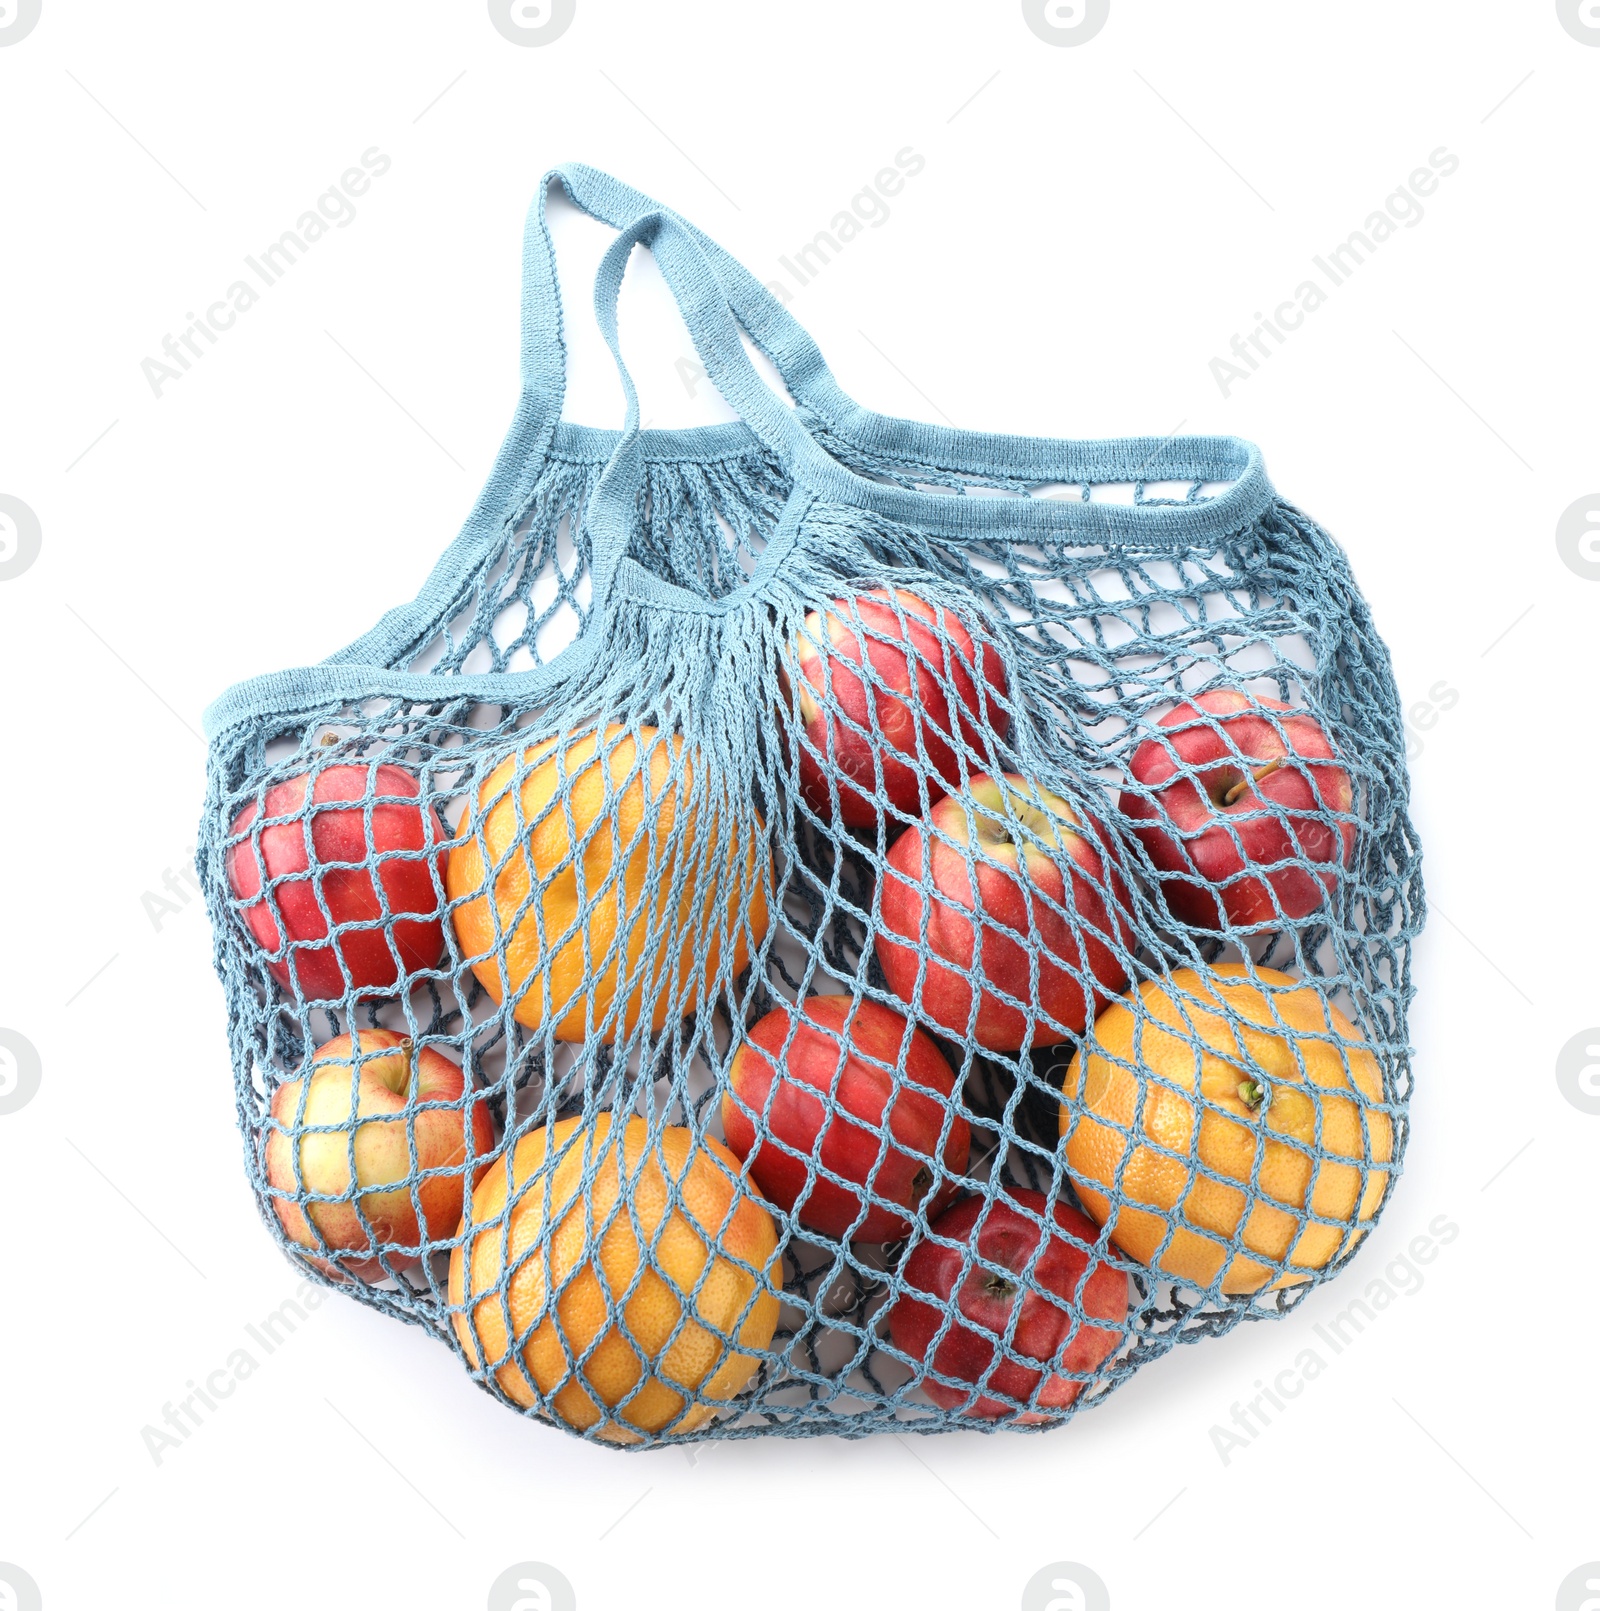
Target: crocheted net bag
(514, 937)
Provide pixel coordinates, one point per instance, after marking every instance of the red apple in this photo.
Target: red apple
(1220, 760)
(835, 1103)
(873, 687)
(1059, 1298)
(345, 861)
(364, 1086)
(1038, 867)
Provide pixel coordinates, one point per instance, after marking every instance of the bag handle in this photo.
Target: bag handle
(778, 334)
(701, 297)
(691, 273)
(714, 291)
(360, 669)
(693, 270)
(780, 337)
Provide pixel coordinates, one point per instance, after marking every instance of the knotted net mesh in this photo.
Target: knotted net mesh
(914, 989)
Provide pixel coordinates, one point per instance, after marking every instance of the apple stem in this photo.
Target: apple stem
(1255, 777)
(328, 740)
(1252, 1093)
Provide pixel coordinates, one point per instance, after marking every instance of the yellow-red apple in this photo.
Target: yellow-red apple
(1002, 876)
(364, 1090)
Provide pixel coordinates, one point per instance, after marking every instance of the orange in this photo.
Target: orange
(1253, 1090)
(584, 1247)
(636, 831)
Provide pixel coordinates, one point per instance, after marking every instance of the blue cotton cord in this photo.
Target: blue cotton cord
(677, 571)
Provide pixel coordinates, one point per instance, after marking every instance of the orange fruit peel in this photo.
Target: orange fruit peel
(617, 884)
(1284, 1156)
(566, 1269)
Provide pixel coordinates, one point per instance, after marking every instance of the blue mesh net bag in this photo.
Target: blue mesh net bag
(822, 923)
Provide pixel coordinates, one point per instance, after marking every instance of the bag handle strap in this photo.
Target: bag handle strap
(539, 410)
(693, 270)
(692, 274)
(778, 334)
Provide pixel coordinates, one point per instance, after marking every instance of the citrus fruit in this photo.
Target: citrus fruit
(1264, 1085)
(612, 843)
(585, 1248)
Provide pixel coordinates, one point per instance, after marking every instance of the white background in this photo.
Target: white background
(1092, 227)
